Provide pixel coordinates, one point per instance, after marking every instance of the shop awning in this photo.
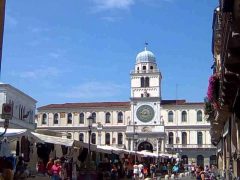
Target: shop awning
(13, 132)
(52, 139)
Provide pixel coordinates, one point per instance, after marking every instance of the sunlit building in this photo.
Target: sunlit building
(224, 92)
(146, 122)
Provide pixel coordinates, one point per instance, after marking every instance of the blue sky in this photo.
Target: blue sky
(61, 51)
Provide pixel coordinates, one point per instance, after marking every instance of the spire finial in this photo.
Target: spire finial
(146, 44)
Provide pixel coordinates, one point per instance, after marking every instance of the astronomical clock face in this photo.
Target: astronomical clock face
(145, 113)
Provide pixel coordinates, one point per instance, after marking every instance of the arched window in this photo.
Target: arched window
(170, 116)
(107, 139)
(184, 159)
(120, 138)
(69, 135)
(184, 116)
(94, 117)
(81, 137)
(44, 119)
(213, 160)
(107, 117)
(81, 118)
(120, 117)
(199, 138)
(142, 81)
(184, 138)
(147, 82)
(170, 138)
(199, 116)
(93, 138)
(55, 118)
(200, 160)
(69, 118)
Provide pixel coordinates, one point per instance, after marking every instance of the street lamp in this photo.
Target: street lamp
(90, 120)
(135, 138)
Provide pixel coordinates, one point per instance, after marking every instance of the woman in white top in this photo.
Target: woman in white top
(135, 171)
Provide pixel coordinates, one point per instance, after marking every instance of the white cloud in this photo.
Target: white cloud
(38, 73)
(94, 90)
(113, 4)
(111, 18)
(38, 29)
(54, 55)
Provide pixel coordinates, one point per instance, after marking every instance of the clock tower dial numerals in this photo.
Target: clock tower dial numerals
(145, 113)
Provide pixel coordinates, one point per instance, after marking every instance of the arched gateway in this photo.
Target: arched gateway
(145, 146)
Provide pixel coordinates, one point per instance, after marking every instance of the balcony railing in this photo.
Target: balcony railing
(145, 71)
(189, 146)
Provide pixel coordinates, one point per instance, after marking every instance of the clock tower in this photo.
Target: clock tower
(145, 90)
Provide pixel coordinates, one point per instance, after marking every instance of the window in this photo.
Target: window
(81, 118)
(147, 82)
(44, 119)
(69, 118)
(55, 118)
(213, 160)
(170, 116)
(120, 117)
(141, 95)
(144, 68)
(94, 117)
(200, 160)
(199, 138)
(151, 67)
(120, 138)
(170, 138)
(69, 135)
(185, 159)
(142, 81)
(93, 138)
(184, 116)
(199, 116)
(107, 139)
(107, 117)
(81, 137)
(184, 138)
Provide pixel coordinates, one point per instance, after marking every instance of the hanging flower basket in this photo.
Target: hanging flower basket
(208, 109)
(213, 91)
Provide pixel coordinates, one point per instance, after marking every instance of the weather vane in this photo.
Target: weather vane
(146, 44)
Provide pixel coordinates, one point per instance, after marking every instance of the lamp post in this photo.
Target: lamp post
(135, 138)
(90, 120)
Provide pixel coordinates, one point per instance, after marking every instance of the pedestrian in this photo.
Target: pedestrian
(49, 167)
(200, 175)
(140, 171)
(169, 168)
(135, 171)
(56, 170)
(152, 170)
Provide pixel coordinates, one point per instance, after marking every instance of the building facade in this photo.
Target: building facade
(146, 122)
(223, 91)
(23, 106)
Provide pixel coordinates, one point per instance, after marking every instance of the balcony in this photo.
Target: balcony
(149, 130)
(189, 146)
(145, 71)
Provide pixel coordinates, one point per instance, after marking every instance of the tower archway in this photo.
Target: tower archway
(145, 145)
